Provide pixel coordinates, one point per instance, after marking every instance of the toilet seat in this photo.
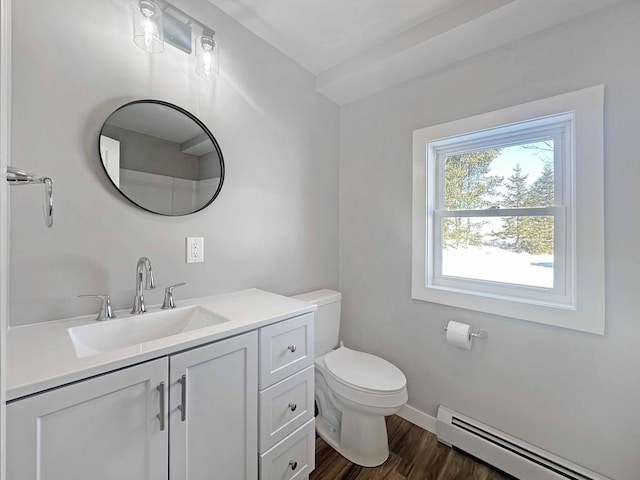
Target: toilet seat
(364, 372)
(365, 390)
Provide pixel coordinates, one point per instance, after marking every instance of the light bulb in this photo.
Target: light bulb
(149, 32)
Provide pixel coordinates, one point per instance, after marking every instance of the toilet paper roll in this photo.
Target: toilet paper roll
(459, 335)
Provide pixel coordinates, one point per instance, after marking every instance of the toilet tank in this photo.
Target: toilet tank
(327, 318)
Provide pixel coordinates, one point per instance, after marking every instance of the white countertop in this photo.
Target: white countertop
(42, 356)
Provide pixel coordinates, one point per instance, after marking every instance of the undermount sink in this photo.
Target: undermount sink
(113, 334)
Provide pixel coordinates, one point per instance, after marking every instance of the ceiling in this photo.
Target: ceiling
(164, 123)
(321, 34)
(358, 47)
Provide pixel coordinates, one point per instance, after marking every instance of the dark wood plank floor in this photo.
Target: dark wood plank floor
(414, 454)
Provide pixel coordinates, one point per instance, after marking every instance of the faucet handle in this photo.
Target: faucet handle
(168, 296)
(106, 312)
(150, 282)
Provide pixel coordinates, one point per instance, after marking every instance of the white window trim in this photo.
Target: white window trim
(584, 310)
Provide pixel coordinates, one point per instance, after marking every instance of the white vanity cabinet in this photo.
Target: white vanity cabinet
(103, 428)
(214, 411)
(218, 388)
(287, 430)
(188, 416)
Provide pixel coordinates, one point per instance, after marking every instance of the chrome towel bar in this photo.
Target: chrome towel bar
(15, 176)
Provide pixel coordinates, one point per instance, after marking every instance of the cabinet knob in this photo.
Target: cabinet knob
(293, 465)
(291, 348)
(293, 406)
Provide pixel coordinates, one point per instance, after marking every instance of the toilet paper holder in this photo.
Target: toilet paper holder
(477, 334)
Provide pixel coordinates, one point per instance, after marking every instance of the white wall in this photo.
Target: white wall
(274, 225)
(574, 394)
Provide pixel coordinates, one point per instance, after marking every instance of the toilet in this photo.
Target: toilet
(354, 390)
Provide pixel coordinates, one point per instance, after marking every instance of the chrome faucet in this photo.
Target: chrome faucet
(143, 267)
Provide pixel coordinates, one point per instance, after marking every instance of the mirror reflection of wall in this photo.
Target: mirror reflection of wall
(160, 158)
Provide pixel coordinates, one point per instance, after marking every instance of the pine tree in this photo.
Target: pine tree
(541, 194)
(516, 195)
(468, 186)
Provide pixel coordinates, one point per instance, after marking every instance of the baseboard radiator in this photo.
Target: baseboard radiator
(507, 453)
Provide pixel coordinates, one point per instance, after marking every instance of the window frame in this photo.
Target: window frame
(560, 129)
(575, 120)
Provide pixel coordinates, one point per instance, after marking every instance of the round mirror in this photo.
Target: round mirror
(161, 157)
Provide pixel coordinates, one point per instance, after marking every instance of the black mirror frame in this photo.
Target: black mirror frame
(198, 122)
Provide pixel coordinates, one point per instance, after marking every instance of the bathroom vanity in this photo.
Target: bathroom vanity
(220, 387)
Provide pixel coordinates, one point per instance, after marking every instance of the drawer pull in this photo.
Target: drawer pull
(291, 348)
(293, 406)
(293, 465)
(183, 406)
(160, 415)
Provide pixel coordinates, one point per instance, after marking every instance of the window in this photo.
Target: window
(499, 210)
(508, 212)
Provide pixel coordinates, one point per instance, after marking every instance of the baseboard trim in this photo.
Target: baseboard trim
(418, 417)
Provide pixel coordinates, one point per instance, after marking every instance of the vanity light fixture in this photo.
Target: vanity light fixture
(156, 22)
(147, 26)
(207, 55)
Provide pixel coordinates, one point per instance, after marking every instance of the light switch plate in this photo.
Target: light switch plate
(195, 249)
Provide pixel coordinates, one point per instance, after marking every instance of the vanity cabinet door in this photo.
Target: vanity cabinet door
(103, 428)
(213, 411)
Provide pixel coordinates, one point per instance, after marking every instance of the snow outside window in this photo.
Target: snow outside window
(501, 204)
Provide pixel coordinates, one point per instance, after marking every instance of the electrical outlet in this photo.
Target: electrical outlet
(195, 249)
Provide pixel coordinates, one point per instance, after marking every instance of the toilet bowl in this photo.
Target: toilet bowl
(354, 390)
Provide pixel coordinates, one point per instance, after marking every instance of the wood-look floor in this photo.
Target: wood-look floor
(414, 454)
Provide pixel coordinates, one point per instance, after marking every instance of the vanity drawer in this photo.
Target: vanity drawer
(286, 406)
(292, 458)
(285, 348)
